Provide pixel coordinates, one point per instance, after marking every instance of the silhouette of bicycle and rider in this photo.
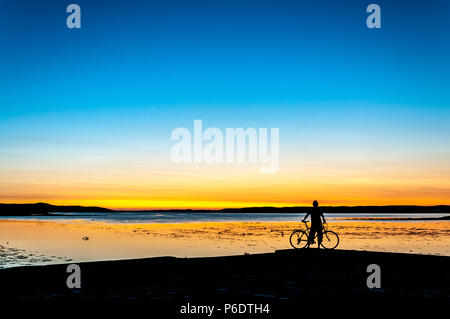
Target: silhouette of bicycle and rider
(304, 238)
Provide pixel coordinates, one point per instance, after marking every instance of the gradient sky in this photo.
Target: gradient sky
(86, 115)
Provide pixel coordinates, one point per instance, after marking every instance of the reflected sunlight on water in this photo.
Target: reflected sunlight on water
(24, 242)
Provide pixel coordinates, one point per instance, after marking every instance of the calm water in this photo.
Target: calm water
(78, 237)
(183, 217)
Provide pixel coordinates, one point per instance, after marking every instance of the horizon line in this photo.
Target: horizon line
(219, 209)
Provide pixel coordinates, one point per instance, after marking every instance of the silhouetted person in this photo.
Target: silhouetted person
(316, 223)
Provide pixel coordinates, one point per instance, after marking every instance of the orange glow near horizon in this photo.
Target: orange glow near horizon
(167, 186)
(132, 204)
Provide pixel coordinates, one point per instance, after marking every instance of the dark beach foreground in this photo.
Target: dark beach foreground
(287, 281)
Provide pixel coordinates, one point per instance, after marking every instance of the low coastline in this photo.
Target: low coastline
(43, 209)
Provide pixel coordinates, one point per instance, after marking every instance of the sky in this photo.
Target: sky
(87, 114)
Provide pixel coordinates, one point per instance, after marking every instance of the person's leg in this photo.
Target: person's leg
(312, 232)
(319, 236)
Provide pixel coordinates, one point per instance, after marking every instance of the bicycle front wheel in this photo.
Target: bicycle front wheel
(298, 239)
(330, 240)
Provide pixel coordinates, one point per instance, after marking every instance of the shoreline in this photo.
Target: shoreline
(443, 218)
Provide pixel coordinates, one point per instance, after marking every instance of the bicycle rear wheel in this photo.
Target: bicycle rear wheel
(298, 239)
(330, 240)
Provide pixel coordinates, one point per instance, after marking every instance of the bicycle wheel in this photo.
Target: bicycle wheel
(298, 239)
(330, 240)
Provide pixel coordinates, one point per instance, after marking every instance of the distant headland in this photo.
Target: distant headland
(44, 209)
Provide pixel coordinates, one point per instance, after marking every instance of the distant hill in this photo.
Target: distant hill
(44, 209)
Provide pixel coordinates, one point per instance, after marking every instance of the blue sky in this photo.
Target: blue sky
(222, 52)
(233, 62)
(138, 69)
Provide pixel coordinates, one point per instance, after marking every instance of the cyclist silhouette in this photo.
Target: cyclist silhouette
(316, 223)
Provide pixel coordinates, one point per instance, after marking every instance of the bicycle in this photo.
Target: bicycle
(299, 238)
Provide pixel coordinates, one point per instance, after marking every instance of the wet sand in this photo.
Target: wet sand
(25, 242)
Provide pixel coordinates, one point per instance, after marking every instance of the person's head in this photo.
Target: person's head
(315, 204)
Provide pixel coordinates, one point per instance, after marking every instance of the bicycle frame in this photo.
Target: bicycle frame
(308, 229)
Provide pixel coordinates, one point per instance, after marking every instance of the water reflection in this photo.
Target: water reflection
(43, 242)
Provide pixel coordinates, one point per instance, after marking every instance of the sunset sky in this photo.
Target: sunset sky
(86, 115)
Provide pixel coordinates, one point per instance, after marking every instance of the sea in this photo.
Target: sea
(199, 217)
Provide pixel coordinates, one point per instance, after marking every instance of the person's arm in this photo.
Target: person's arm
(323, 217)
(307, 214)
